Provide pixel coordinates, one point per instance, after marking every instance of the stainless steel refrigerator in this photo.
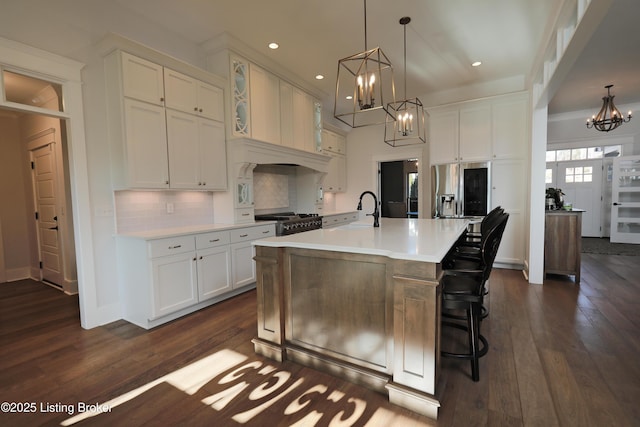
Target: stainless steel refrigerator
(460, 189)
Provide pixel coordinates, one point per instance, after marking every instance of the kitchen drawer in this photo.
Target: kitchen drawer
(171, 246)
(252, 233)
(212, 239)
(244, 215)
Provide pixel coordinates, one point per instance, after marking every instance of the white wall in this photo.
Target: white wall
(14, 206)
(365, 149)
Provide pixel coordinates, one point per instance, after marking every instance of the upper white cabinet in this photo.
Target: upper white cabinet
(334, 145)
(166, 128)
(509, 121)
(479, 130)
(460, 134)
(475, 133)
(443, 136)
(195, 148)
(184, 93)
(265, 105)
(267, 108)
(145, 162)
(142, 80)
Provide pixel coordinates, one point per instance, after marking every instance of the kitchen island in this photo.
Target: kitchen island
(359, 302)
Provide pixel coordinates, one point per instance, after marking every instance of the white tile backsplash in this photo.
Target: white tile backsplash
(147, 210)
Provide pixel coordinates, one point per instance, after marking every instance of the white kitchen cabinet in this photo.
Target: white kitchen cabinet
(214, 264)
(138, 116)
(184, 93)
(267, 108)
(303, 120)
(460, 134)
(197, 152)
(264, 99)
(162, 279)
(286, 114)
(335, 220)
(142, 80)
(333, 142)
(334, 145)
(475, 133)
(174, 283)
(510, 127)
(335, 181)
(508, 190)
(299, 120)
(242, 252)
(443, 137)
(144, 146)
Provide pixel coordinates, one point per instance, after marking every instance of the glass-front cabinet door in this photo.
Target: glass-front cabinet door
(240, 99)
(625, 209)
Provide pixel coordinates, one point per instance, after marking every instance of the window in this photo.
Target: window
(28, 90)
(563, 155)
(579, 174)
(548, 176)
(583, 153)
(551, 156)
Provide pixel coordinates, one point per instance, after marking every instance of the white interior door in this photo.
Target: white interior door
(625, 200)
(581, 182)
(44, 184)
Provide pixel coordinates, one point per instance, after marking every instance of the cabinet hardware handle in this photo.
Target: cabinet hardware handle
(200, 110)
(195, 108)
(175, 247)
(243, 235)
(617, 204)
(245, 214)
(266, 232)
(200, 257)
(214, 240)
(204, 183)
(194, 258)
(161, 99)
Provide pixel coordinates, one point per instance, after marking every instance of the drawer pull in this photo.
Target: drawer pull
(175, 247)
(243, 235)
(214, 240)
(266, 232)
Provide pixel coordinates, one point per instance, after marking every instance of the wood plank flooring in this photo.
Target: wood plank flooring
(560, 354)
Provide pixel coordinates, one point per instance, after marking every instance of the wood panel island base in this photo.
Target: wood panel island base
(359, 302)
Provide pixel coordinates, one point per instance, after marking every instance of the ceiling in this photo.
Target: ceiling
(443, 39)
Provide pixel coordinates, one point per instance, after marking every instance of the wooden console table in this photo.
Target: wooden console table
(563, 242)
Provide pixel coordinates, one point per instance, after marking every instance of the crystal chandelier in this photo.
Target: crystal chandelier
(408, 127)
(609, 117)
(364, 81)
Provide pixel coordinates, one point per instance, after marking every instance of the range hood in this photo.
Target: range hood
(246, 151)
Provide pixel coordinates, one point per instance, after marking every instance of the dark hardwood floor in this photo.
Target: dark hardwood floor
(560, 354)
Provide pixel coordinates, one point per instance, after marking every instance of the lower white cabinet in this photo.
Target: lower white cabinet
(165, 278)
(242, 253)
(174, 283)
(335, 220)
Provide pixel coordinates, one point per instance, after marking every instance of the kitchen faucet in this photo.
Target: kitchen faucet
(376, 213)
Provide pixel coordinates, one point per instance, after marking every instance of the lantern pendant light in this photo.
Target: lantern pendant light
(408, 128)
(363, 84)
(609, 117)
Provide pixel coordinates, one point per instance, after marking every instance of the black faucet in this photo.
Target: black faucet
(376, 213)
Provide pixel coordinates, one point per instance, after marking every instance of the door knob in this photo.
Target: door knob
(617, 204)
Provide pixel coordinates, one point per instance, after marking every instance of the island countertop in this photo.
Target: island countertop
(426, 240)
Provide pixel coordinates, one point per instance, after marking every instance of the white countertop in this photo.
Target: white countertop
(189, 229)
(426, 240)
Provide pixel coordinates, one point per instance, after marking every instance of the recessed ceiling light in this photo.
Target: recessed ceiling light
(476, 64)
(319, 77)
(273, 45)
